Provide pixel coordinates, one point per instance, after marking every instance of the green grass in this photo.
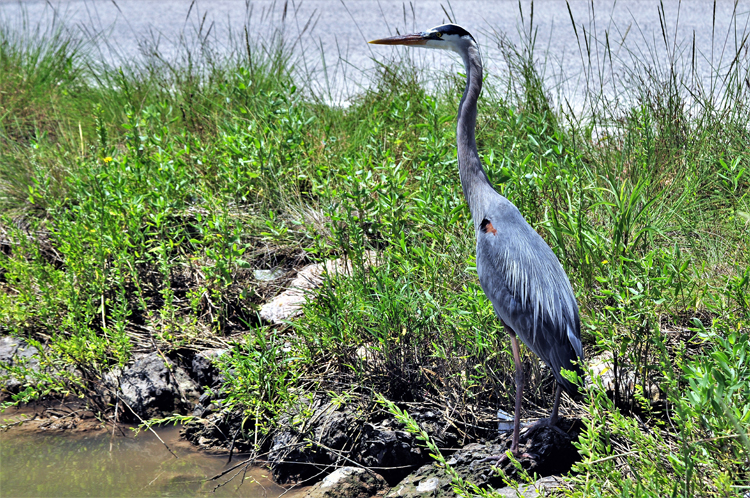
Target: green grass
(138, 200)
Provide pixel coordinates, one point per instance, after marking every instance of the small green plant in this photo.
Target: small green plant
(140, 198)
(261, 377)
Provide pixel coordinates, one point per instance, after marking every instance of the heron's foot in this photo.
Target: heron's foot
(498, 459)
(501, 460)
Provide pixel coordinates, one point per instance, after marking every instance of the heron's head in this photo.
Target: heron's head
(446, 37)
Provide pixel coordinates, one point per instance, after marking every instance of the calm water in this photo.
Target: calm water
(55, 465)
(329, 36)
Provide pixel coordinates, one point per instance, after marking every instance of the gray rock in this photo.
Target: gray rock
(204, 367)
(16, 352)
(550, 451)
(429, 481)
(268, 275)
(543, 485)
(312, 442)
(627, 381)
(13, 349)
(216, 431)
(350, 482)
(325, 433)
(386, 446)
(152, 390)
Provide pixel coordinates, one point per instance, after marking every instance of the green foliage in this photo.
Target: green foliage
(138, 203)
(261, 378)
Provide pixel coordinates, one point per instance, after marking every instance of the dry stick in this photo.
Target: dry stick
(717, 438)
(154, 479)
(303, 482)
(255, 430)
(230, 479)
(147, 426)
(231, 446)
(341, 455)
(104, 320)
(114, 424)
(244, 473)
(225, 472)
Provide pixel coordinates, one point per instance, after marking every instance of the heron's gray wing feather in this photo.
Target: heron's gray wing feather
(529, 288)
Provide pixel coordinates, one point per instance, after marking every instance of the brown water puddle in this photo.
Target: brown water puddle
(39, 464)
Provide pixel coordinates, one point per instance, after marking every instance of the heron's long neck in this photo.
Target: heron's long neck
(473, 178)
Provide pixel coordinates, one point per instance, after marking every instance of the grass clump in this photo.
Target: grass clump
(138, 205)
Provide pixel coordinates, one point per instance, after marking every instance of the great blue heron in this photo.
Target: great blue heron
(529, 290)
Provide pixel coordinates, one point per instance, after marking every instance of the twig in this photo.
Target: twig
(147, 426)
(306, 480)
(225, 472)
(5, 427)
(114, 424)
(710, 439)
(231, 478)
(155, 478)
(231, 446)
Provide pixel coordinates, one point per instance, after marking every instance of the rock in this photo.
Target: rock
(204, 406)
(214, 432)
(385, 446)
(332, 432)
(552, 450)
(13, 350)
(541, 487)
(204, 369)
(152, 390)
(16, 352)
(602, 367)
(349, 482)
(268, 275)
(296, 450)
(427, 481)
(289, 303)
(370, 356)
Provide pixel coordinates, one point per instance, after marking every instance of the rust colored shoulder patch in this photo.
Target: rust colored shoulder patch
(486, 227)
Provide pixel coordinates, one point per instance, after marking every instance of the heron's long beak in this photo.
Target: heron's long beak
(413, 39)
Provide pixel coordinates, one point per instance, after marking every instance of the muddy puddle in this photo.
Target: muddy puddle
(34, 463)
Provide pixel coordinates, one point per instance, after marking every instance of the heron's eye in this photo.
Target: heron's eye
(439, 34)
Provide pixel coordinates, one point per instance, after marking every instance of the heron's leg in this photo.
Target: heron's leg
(519, 389)
(501, 459)
(553, 417)
(552, 420)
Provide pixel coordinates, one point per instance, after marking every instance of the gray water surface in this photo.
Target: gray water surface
(52, 464)
(329, 37)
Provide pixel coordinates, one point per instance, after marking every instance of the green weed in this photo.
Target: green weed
(138, 204)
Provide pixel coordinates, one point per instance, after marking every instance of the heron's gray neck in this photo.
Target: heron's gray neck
(473, 178)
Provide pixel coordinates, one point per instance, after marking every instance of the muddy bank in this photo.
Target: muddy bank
(54, 415)
(315, 439)
(312, 439)
(336, 426)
